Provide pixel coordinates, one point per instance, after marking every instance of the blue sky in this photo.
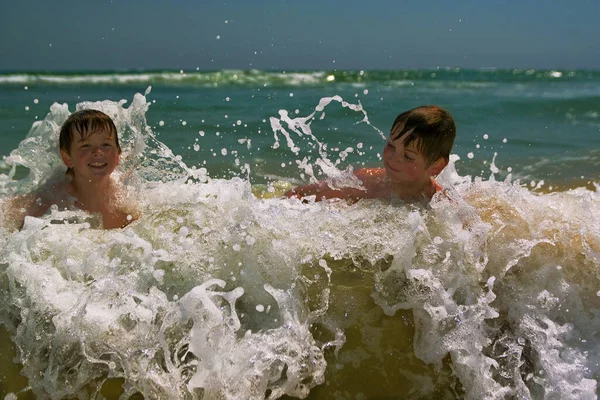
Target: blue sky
(298, 34)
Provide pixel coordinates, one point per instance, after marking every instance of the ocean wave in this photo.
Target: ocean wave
(220, 293)
(469, 77)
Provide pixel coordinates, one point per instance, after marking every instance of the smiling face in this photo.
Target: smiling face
(406, 164)
(92, 155)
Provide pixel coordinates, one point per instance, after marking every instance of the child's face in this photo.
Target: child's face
(405, 164)
(92, 156)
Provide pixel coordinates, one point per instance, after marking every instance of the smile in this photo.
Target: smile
(98, 164)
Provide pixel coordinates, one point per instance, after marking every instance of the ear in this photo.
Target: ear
(437, 166)
(66, 158)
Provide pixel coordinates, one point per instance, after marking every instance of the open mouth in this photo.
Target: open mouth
(98, 164)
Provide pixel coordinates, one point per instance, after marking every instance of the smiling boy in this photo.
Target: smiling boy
(89, 147)
(418, 149)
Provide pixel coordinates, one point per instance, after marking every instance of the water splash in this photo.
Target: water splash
(217, 293)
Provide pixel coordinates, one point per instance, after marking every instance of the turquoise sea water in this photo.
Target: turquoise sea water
(545, 125)
(223, 289)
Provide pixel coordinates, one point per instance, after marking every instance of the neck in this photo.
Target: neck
(417, 191)
(92, 196)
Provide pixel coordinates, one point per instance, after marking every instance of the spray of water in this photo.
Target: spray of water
(215, 293)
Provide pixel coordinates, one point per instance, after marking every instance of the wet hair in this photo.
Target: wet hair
(86, 122)
(433, 131)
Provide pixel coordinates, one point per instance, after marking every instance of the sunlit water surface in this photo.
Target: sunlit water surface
(227, 290)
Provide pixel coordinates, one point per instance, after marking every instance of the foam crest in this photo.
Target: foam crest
(215, 293)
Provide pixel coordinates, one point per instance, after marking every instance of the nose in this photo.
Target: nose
(97, 151)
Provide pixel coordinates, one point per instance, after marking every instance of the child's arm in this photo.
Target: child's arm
(15, 209)
(369, 177)
(322, 191)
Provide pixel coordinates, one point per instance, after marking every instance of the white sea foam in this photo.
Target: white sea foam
(500, 282)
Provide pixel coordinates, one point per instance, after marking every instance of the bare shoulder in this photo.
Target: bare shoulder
(370, 173)
(375, 181)
(55, 192)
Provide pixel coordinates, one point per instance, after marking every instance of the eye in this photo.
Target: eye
(408, 157)
(83, 146)
(107, 144)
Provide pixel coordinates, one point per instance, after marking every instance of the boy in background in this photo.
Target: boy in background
(418, 149)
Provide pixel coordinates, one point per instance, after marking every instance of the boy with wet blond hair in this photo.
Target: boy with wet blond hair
(89, 147)
(417, 150)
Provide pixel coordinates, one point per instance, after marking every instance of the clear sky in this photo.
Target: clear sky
(298, 34)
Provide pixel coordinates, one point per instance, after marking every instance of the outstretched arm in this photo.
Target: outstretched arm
(15, 209)
(322, 191)
(371, 179)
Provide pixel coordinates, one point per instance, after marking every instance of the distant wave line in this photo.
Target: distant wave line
(478, 77)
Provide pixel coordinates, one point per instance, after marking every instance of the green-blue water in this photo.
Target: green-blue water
(544, 124)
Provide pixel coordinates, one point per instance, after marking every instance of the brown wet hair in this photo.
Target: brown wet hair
(433, 131)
